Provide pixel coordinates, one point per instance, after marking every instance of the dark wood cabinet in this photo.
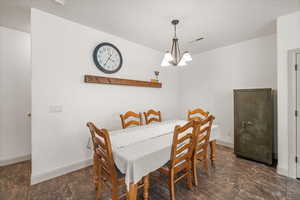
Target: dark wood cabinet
(253, 124)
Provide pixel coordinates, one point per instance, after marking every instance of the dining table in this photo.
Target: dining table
(140, 150)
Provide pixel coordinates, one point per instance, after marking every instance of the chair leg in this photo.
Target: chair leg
(99, 190)
(146, 187)
(189, 178)
(171, 185)
(132, 192)
(194, 163)
(114, 192)
(205, 162)
(212, 145)
(96, 171)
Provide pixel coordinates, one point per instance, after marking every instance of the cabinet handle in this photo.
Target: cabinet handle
(244, 124)
(249, 123)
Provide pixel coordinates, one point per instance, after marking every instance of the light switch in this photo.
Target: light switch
(61, 2)
(55, 108)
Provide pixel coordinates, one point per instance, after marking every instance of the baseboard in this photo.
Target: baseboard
(226, 144)
(283, 171)
(37, 178)
(14, 160)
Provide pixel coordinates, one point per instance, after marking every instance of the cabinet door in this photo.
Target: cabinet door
(253, 124)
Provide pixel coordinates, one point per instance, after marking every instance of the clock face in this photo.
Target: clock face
(108, 58)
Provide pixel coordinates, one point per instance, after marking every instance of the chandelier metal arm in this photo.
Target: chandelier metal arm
(172, 48)
(175, 52)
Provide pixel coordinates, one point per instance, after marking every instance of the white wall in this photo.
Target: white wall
(210, 79)
(288, 38)
(15, 75)
(61, 56)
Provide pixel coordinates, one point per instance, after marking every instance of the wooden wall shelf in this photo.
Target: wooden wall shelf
(119, 81)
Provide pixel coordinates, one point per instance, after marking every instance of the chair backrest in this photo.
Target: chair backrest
(103, 152)
(203, 135)
(197, 114)
(152, 115)
(126, 123)
(183, 145)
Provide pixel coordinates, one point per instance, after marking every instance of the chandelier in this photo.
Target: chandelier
(174, 57)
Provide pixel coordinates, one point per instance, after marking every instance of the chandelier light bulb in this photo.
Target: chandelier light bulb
(182, 62)
(187, 57)
(165, 64)
(167, 59)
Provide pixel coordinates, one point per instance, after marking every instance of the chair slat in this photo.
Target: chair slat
(101, 152)
(200, 114)
(130, 114)
(182, 167)
(183, 148)
(152, 116)
(131, 123)
(100, 142)
(153, 120)
(188, 136)
(182, 157)
(201, 138)
(204, 129)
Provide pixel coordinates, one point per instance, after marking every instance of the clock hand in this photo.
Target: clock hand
(107, 59)
(110, 61)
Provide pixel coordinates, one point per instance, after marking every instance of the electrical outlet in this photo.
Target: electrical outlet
(55, 108)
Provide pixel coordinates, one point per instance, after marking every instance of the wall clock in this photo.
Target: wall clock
(107, 58)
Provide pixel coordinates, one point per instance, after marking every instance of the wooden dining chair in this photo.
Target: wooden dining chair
(137, 121)
(105, 171)
(200, 152)
(152, 116)
(197, 114)
(181, 156)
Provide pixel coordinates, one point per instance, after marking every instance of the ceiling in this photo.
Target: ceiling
(147, 22)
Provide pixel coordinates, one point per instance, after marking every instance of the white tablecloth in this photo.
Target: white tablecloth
(140, 150)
